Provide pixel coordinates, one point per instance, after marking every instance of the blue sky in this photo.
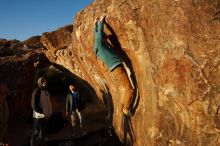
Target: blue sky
(21, 19)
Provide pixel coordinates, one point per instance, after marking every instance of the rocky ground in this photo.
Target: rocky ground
(95, 126)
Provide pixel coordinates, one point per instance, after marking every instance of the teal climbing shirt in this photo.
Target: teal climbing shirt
(103, 51)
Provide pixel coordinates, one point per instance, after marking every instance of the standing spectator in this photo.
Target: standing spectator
(74, 106)
(42, 110)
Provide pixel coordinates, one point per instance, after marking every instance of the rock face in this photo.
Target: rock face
(18, 63)
(172, 48)
(58, 49)
(56, 41)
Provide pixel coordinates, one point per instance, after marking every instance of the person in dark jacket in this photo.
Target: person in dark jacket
(42, 110)
(74, 105)
(114, 63)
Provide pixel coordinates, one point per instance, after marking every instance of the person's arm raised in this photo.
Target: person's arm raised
(96, 21)
(100, 23)
(102, 18)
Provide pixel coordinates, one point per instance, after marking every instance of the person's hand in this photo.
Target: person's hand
(102, 18)
(96, 20)
(67, 113)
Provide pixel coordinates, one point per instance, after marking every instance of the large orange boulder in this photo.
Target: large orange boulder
(172, 49)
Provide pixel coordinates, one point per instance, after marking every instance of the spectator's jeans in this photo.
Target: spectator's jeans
(120, 74)
(38, 135)
(74, 118)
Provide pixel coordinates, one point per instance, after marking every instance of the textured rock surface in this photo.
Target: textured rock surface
(19, 62)
(173, 48)
(58, 49)
(17, 65)
(56, 41)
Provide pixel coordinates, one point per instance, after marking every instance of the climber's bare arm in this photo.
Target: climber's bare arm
(96, 21)
(102, 18)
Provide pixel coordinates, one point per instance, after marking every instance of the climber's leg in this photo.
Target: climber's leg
(128, 92)
(121, 73)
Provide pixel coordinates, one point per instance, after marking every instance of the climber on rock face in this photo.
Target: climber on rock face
(106, 53)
